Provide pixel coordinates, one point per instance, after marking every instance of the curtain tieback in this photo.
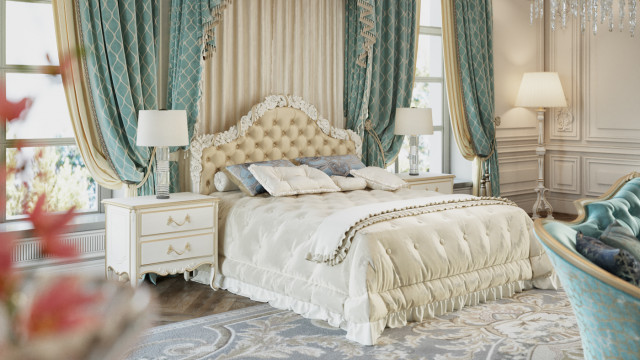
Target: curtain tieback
(131, 188)
(368, 125)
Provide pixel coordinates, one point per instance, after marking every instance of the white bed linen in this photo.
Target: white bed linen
(401, 270)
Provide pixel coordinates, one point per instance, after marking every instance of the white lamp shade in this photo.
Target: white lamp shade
(541, 90)
(162, 128)
(414, 121)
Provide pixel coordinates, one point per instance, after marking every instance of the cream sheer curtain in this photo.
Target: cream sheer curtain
(274, 47)
(454, 93)
(78, 97)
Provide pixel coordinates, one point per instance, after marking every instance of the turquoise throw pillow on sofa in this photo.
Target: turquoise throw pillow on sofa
(616, 261)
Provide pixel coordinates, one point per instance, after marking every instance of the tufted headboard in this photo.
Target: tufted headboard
(280, 127)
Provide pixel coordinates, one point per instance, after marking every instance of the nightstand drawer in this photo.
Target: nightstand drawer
(169, 221)
(152, 252)
(445, 187)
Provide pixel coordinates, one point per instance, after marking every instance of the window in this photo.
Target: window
(429, 91)
(42, 142)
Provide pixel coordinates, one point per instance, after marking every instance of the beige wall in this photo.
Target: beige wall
(516, 50)
(596, 139)
(601, 142)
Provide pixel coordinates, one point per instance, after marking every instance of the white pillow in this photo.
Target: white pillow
(222, 182)
(283, 181)
(379, 178)
(349, 183)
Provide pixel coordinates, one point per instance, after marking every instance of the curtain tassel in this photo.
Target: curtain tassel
(368, 125)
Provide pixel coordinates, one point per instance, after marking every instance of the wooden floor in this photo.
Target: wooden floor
(180, 300)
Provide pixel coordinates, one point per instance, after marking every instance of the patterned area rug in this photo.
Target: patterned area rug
(535, 324)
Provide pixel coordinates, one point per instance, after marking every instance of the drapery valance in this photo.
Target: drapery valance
(379, 72)
(468, 50)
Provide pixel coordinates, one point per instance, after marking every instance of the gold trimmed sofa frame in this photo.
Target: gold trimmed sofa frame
(280, 127)
(573, 257)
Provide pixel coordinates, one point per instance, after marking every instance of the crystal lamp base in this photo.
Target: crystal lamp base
(162, 172)
(413, 155)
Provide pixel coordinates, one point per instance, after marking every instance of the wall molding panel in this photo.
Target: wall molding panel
(596, 140)
(602, 172)
(564, 174)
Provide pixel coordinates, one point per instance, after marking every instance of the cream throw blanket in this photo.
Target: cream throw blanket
(331, 241)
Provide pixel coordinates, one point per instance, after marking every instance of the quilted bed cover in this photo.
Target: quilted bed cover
(396, 271)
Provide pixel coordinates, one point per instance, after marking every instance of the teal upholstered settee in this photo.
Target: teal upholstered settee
(607, 307)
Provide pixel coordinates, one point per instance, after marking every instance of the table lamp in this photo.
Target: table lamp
(413, 122)
(162, 128)
(541, 90)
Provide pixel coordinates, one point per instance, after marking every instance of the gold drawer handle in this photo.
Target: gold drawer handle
(187, 247)
(187, 219)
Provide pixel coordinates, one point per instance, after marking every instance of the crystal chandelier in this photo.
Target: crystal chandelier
(589, 12)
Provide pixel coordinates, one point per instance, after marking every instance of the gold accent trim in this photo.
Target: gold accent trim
(426, 178)
(575, 259)
(174, 260)
(171, 208)
(186, 220)
(187, 247)
(186, 269)
(143, 237)
(175, 237)
(165, 204)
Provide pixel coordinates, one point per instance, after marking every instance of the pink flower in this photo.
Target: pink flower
(50, 227)
(8, 278)
(11, 110)
(62, 305)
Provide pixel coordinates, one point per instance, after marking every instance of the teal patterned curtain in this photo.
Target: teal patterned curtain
(474, 32)
(191, 40)
(359, 39)
(120, 53)
(385, 81)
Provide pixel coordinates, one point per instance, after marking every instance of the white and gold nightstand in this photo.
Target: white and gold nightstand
(147, 235)
(430, 181)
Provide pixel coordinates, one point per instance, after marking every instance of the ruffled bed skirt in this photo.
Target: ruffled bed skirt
(367, 333)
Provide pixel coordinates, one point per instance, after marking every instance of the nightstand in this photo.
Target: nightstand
(148, 235)
(430, 181)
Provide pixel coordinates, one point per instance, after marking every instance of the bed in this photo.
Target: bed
(412, 263)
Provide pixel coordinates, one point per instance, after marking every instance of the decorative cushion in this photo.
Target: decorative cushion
(616, 261)
(619, 236)
(223, 183)
(284, 181)
(379, 178)
(349, 183)
(242, 177)
(338, 165)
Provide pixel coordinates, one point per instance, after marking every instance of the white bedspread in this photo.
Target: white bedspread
(405, 269)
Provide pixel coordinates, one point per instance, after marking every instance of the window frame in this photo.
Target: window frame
(446, 118)
(102, 193)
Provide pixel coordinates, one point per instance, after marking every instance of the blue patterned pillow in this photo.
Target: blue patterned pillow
(619, 236)
(242, 177)
(616, 261)
(339, 165)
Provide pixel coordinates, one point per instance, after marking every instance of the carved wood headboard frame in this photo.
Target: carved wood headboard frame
(222, 144)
